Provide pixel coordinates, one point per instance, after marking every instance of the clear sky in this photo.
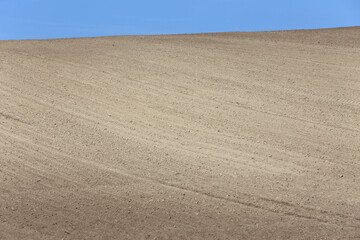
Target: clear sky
(23, 19)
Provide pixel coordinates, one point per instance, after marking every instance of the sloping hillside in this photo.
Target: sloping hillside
(207, 136)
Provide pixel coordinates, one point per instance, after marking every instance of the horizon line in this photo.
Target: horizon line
(174, 34)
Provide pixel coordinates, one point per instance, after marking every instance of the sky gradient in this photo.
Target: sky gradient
(40, 19)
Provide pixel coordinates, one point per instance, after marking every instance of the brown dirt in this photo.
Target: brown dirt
(207, 136)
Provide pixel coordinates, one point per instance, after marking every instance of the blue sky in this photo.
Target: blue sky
(24, 19)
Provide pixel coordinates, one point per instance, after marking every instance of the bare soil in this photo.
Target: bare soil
(203, 136)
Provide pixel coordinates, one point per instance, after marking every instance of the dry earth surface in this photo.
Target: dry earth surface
(205, 136)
